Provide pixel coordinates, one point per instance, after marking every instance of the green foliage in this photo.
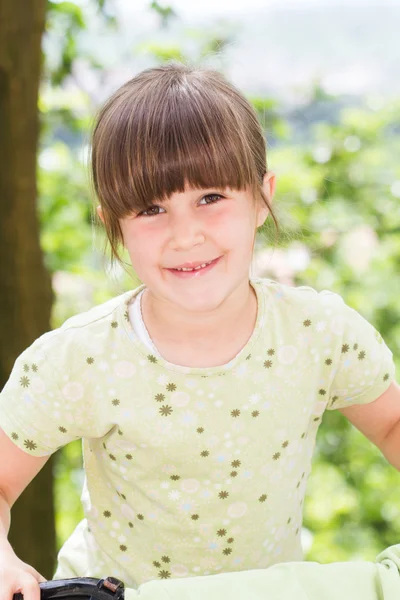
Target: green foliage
(165, 13)
(69, 480)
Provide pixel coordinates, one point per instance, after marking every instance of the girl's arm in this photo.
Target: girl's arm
(287, 581)
(17, 469)
(379, 421)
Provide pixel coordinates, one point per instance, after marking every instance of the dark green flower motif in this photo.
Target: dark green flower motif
(128, 456)
(152, 358)
(267, 364)
(236, 463)
(223, 495)
(171, 387)
(298, 485)
(62, 429)
(355, 347)
(345, 348)
(307, 323)
(235, 412)
(248, 357)
(120, 432)
(126, 315)
(205, 453)
(115, 402)
(130, 524)
(233, 473)
(25, 381)
(159, 397)
(386, 377)
(334, 399)
(271, 352)
(194, 517)
(221, 532)
(288, 521)
(165, 410)
(361, 355)
(303, 435)
(114, 324)
(328, 361)
(285, 444)
(263, 498)
(315, 419)
(166, 559)
(322, 392)
(123, 548)
(34, 368)
(104, 446)
(14, 435)
(230, 540)
(276, 455)
(200, 430)
(227, 551)
(164, 574)
(107, 514)
(140, 517)
(90, 360)
(123, 496)
(112, 457)
(30, 444)
(26, 368)
(175, 477)
(156, 564)
(255, 413)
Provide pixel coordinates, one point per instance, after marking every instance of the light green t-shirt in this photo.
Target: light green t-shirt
(192, 471)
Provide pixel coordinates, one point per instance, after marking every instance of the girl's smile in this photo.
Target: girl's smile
(189, 270)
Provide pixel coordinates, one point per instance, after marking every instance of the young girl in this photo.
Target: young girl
(199, 394)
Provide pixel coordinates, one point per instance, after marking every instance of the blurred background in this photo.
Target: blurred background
(324, 79)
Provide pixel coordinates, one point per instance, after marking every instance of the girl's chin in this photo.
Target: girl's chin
(197, 303)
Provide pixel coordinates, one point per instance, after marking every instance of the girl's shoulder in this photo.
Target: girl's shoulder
(92, 328)
(97, 314)
(298, 297)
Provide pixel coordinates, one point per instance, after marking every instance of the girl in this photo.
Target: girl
(199, 394)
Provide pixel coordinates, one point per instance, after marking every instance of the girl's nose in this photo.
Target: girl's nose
(186, 233)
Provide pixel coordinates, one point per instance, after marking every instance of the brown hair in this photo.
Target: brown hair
(171, 126)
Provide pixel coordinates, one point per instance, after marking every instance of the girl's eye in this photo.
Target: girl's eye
(213, 201)
(154, 210)
(151, 211)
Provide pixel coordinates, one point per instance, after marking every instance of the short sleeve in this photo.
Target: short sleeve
(37, 416)
(364, 366)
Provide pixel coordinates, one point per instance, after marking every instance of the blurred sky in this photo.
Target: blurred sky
(218, 7)
(275, 47)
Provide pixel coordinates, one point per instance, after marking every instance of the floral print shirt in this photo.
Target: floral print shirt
(192, 471)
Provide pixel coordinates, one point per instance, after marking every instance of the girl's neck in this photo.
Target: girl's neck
(202, 339)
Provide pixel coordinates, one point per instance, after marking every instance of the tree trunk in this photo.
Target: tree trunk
(25, 286)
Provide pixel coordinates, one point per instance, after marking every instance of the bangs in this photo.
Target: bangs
(165, 134)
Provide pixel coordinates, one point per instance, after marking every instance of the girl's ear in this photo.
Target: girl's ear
(100, 213)
(269, 184)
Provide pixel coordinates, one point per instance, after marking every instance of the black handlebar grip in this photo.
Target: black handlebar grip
(80, 588)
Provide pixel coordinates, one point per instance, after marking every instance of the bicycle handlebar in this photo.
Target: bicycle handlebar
(80, 588)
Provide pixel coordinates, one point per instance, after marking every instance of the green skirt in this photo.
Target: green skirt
(356, 580)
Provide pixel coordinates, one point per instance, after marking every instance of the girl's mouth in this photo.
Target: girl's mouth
(185, 272)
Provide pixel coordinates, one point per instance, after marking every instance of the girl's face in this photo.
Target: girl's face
(194, 228)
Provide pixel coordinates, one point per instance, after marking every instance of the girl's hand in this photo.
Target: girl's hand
(17, 576)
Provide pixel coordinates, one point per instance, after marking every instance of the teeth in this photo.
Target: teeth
(195, 268)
